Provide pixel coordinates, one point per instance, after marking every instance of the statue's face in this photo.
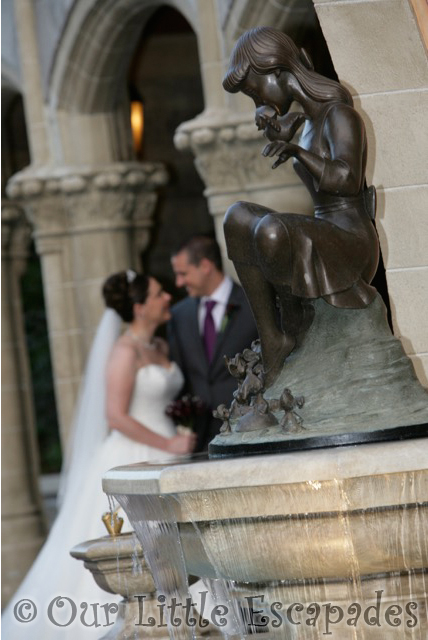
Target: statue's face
(269, 89)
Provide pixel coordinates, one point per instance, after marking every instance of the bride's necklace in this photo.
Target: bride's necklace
(147, 344)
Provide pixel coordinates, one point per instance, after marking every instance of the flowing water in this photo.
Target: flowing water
(291, 565)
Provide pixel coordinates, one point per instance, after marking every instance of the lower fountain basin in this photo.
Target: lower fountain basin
(116, 563)
(340, 526)
(325, 514)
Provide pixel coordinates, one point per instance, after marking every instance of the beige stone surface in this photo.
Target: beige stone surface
(392, 589)
(210, 39)
(10, 411)
(13, 460)
(395, 123)
(420, 363)
(310, 467)
(212, 75)
(26, 23)
(67, 353)
(18, 555)
(60, 301)
(317, 521)
(67, 390)
(382, 36)
(318, 545)
(86, 138)
(17, 496)
(22, 520)
(402, 224)
(408, 294)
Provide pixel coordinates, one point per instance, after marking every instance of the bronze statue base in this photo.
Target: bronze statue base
(357, 384)
(305, 442)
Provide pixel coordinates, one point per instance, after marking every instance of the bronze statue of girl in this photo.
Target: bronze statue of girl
(291, 259)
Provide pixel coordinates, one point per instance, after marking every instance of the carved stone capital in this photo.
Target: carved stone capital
(72, 200)
(15, 234)
(137, 176)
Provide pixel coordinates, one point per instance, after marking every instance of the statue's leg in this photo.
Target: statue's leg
(275, 345)
(274, 256)
(240, 224)
(297, 314)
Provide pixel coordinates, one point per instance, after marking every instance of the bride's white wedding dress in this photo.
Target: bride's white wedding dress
(55, 573)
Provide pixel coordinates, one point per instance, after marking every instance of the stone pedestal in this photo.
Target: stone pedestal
(118, 566)
(23, 525)
(341, 531)
(89, 222)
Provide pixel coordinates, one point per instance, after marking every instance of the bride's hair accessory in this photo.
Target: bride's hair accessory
(130, 275)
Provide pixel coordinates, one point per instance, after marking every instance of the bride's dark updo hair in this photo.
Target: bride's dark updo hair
(124, 289)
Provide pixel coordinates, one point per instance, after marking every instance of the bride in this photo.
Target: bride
(130, 380)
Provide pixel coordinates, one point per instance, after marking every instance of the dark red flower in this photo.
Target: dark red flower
(185, 410)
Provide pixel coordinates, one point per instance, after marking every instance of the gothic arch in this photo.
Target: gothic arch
(87, 90)
(96, 49)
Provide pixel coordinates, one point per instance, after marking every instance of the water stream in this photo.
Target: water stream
(355, 572)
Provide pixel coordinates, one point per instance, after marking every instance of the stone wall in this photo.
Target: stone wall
(379, 53)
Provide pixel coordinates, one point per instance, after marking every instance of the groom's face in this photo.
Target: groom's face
(191, 276)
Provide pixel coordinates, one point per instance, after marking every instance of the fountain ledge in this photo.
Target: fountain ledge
(277, 469)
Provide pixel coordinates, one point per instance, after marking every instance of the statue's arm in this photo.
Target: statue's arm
(344, 167)
(339, 170)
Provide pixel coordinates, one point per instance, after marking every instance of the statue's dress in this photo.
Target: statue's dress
(54, 572)
(334, 253)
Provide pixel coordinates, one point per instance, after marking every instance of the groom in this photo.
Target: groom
(213, 321)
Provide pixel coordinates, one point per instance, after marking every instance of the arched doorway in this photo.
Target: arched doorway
(171, 94)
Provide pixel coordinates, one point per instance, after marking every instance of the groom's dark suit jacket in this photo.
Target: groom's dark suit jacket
(210, 381)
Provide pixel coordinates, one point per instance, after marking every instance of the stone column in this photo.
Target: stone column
(23, 525)
(25, 21)
(227, 149)
(89, 223)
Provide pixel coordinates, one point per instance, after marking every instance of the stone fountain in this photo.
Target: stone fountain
(342, 528)
(117, 564)
(315, 539)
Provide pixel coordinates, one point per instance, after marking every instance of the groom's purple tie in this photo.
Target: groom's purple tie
(209, 329)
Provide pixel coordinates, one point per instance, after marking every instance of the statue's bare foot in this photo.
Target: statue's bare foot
(274, 356)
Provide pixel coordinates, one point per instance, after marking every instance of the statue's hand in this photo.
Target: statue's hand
(284, 127)
(290, 124)
(266, 120)
(284, 151)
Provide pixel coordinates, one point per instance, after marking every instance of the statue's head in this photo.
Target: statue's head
(265, 50)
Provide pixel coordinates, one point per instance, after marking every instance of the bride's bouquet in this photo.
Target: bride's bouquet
(185, 410)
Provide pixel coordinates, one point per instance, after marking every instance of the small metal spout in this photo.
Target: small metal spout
(113, 522)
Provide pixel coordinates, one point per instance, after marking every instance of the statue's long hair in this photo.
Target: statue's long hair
(265, 49)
